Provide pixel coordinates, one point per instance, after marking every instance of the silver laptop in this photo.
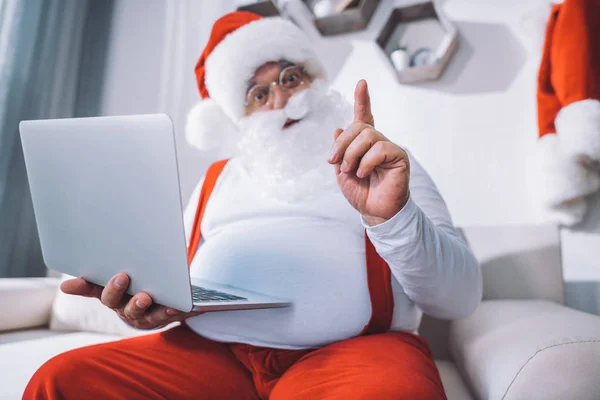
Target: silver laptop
(106, 199)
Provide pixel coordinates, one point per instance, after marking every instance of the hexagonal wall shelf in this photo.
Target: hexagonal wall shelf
(419, 41)
(266, 8)
(355, 16)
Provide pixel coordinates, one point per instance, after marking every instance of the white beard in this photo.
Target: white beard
(291, 164)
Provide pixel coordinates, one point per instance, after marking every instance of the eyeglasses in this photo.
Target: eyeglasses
(289, 78)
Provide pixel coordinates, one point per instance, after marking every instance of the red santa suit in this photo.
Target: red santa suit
(566, 161)
(358, 291)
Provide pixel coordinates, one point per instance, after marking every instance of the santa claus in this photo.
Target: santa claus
(317, 206)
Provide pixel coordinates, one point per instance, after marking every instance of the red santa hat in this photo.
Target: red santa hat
(239, 43)
(568, 97)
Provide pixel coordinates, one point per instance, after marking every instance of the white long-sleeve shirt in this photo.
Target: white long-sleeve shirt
(313, 253)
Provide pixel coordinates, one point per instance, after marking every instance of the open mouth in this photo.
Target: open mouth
(290, 122)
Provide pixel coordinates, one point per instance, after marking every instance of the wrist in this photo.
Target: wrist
(372, 221)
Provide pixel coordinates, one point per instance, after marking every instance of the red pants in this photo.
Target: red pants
(179, 364)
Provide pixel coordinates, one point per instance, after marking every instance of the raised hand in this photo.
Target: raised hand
(137, 311)
(372, 172)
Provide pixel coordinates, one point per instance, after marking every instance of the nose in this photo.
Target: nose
(280, 97)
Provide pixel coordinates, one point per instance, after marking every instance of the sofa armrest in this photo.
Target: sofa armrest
(528, 349)
(26, 302)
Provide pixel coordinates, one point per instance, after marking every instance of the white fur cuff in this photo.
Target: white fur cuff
(578, 126)
(558, 184)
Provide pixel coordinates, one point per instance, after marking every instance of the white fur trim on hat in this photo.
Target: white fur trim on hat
(578, 126)
(558, 184)
(207, 127)
(233, 62)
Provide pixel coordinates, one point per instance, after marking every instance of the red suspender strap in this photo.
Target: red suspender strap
(212, 174)
(378, 272)
(379, 280)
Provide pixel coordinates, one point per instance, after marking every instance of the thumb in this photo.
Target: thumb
(362, 104)
(81, 287)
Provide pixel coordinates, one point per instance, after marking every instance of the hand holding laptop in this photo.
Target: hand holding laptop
(138, 311)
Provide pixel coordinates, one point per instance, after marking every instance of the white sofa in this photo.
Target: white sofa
(521, 343)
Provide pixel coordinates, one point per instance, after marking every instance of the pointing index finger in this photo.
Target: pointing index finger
(362, 104)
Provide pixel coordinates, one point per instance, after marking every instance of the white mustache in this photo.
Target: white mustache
(299, 105)
(290, 163)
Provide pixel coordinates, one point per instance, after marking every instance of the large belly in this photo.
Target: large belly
(317, 264)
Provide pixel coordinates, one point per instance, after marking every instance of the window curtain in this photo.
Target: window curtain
(51, 66)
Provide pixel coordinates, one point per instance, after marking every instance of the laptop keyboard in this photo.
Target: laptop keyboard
(200, 295)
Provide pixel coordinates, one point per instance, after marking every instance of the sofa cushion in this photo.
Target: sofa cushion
(20, 360)
(452, 381)
(528, 349)
(518, 261)
(26, 302)
(27, 334)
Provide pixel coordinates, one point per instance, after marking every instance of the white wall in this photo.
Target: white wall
(473, 129)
